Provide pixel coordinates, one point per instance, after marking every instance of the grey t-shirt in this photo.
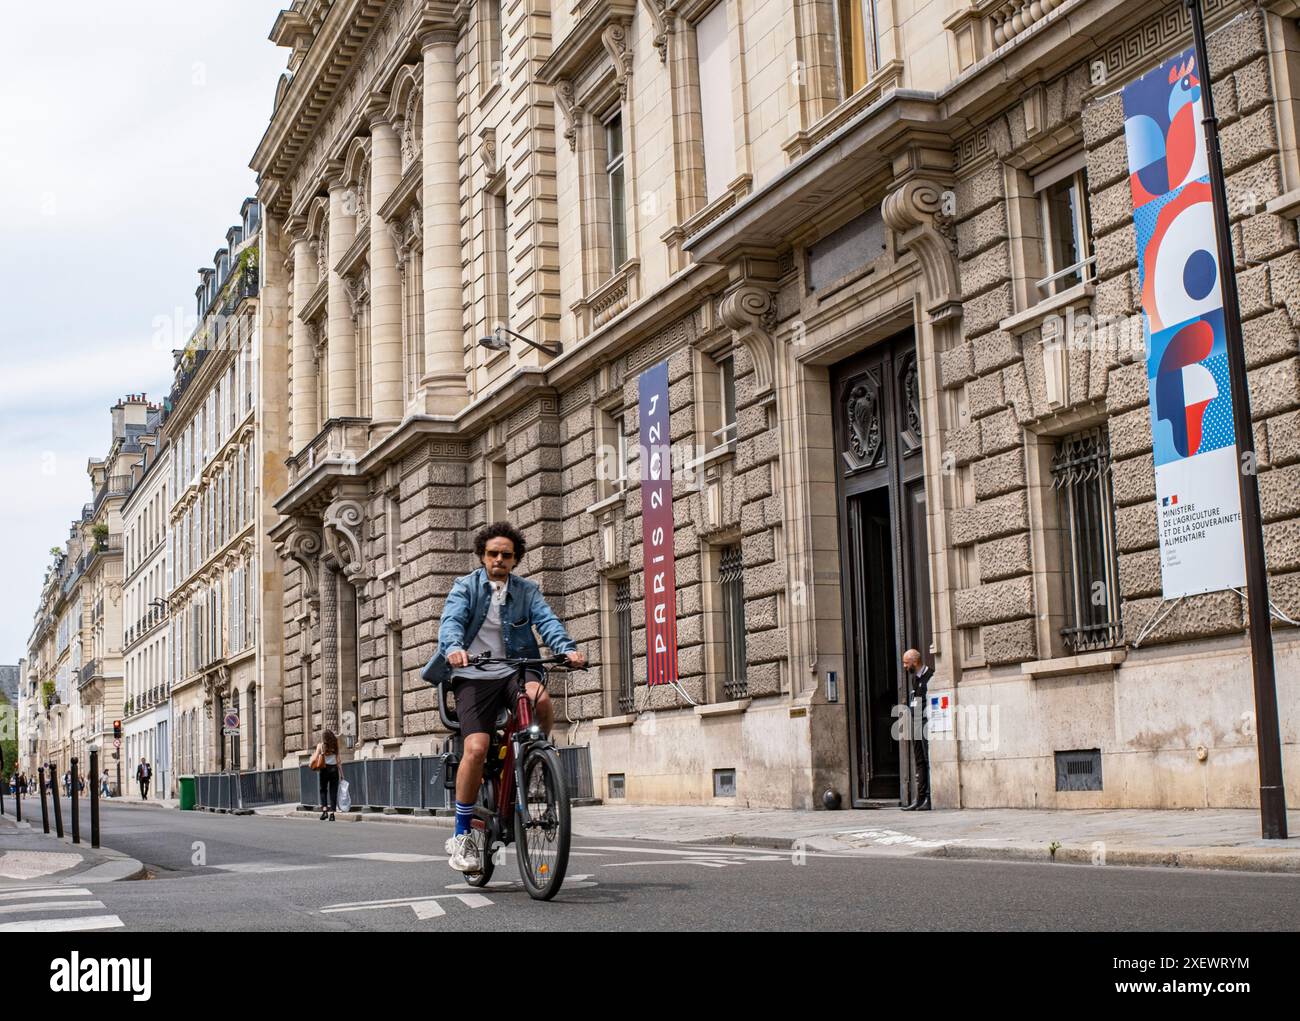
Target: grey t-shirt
(490, 640)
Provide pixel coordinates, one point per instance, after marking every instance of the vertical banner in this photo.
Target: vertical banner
(657, 527)
(1198, 504)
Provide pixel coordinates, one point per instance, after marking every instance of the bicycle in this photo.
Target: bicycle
(520, 758)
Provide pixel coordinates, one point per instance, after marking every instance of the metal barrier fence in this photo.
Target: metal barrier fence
(414, 782)
(236, 791)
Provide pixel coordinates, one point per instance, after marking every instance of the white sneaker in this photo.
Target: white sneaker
(464, 855)
(450, 845)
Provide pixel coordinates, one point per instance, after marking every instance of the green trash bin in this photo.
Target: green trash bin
(188, 797)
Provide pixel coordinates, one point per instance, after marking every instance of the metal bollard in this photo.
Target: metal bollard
(58, 805)
(18, 802)
(76, 818)
(45, 809)
(94, 798)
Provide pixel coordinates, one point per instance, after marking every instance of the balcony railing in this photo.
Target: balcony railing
(343, 441)
(93, 669)
(142, 626)
(182, 382)
(118, 485)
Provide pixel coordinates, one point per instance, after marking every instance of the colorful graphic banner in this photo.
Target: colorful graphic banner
(1198, 505)
(657, 527)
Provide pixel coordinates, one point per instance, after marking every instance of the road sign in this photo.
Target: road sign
(117, 742)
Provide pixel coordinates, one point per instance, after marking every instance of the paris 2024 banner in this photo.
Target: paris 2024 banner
(1198, 505)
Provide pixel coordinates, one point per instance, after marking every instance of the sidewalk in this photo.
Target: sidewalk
(135, 799)
(1200, 838)
(28, 855)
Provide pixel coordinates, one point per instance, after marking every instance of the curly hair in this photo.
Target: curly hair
(500, 530)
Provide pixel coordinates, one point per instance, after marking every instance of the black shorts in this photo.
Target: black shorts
(479, 699)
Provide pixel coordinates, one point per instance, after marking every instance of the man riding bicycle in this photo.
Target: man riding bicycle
(491, 611)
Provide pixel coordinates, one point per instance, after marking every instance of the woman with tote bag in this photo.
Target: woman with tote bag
(326, 760)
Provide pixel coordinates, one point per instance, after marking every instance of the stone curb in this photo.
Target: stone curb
(1231, 860)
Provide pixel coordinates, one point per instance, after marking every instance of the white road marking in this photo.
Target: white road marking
(47, 905)
(64, 924)
(580, 882)
(58, 891)
(263, 866)
(424, 907)
(392, 856)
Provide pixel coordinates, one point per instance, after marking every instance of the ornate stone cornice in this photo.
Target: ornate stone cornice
(920, 213)
(303, 546)
(749, 308)
(663, 26)
(614, 38)
(571, 109)
(342, 533)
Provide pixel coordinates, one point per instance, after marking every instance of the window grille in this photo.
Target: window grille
(1082, 478)
(731, 579)
(623, 612)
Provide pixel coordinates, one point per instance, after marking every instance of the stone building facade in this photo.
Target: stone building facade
(220, 463)
(852, 231)
(146, 709)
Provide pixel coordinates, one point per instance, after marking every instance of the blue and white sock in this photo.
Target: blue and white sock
(464, 813)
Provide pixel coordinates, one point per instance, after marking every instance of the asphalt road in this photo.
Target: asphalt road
(234, 873)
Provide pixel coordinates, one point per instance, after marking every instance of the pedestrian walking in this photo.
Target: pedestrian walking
(103, 785)
(67, 784)
(143, 774)
(326, 760)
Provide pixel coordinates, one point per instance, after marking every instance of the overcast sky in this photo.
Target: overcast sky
(125, 134)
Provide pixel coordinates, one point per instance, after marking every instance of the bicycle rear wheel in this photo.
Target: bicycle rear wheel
(542, 829)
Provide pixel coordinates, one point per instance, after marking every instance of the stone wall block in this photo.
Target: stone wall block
(1196, 617)
(999, 432)
(980, 190)
(1265, 236)
(994, 604)
(1279, 493)
(1133, 480)
(1130, 433)
(1117, 251)
(1284, 438)
(1005, 558)
(1107, 164)
(1139, 574)
(1268, 338)
(1275, 388)
(1135, 527)
(1016, 386)
(1128, 388)
(994, 350)
(1001, 474)
(963, 443)
(983, 313)
(1014, 642)
(956, 365)
(1103, 120)
(982, 230)
(985, 396)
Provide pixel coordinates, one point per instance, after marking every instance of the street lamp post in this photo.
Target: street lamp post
(1272, 794)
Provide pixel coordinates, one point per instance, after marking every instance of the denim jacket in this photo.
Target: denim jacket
(525, 608)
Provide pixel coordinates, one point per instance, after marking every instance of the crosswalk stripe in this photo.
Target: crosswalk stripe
(60, 891)
(64, 924)
(48, 905)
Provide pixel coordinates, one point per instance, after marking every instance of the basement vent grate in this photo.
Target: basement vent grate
(1079, 770)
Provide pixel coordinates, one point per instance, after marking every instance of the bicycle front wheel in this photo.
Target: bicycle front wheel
(543, 829)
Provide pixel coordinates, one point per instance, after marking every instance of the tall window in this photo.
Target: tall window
(617, 197)
(496, 240)
(623, 619)
(250, 725)
(716, 112)
(855, 25)
(1081, 476)
(735, 683)
(1063, 215)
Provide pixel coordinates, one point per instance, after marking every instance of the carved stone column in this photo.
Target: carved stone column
(444, 361)
(385, 279)
(329, 645)
(342, 360)
(304, 389)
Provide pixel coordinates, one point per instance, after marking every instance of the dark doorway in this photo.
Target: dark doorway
(885, 571)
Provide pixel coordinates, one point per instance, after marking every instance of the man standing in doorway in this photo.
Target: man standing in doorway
(918, 681)
(143, 774)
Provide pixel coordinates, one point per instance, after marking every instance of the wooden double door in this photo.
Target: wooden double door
(884, 552)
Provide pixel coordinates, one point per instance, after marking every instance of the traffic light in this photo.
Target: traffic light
(117, 730)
